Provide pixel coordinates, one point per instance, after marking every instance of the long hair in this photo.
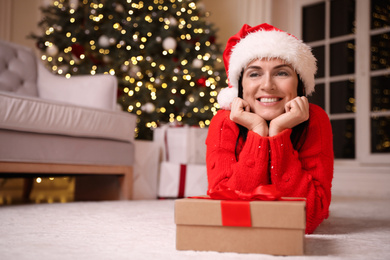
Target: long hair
(298, 132)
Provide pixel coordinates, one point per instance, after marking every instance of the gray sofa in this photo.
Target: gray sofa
(51, 125)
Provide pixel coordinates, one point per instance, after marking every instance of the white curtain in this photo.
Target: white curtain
(255, 12)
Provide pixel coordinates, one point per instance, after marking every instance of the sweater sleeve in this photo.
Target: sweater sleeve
(309, 172)
(250, 168)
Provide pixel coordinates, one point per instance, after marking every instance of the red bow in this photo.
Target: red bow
(262, 192)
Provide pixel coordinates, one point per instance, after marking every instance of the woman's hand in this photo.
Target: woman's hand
(297, 111)
(240, 114)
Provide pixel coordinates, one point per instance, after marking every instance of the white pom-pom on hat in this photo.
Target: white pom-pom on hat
(226, 96)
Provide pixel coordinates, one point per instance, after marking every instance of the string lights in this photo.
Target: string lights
(163, 53)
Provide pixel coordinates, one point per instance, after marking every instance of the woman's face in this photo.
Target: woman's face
(268, 85)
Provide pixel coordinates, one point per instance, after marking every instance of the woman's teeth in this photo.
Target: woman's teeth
(269, 100)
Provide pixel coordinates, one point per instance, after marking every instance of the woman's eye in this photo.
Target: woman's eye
(282, 73)
(254, 74)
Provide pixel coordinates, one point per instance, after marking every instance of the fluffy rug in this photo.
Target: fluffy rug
(358, 228)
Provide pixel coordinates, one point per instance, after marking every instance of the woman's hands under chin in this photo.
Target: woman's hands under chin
(240, 114)
(297, 111)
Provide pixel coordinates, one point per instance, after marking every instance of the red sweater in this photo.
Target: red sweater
(264, 160)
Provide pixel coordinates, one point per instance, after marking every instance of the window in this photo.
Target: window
(351, 41)
(380, 76)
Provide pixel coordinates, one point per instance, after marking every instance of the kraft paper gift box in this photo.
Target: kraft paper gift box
(182, 180)
(184, 145)
(265, 227)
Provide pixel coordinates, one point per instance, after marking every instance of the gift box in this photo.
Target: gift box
(265, 227)
(183, 145)
(182, 180)
(146, 166)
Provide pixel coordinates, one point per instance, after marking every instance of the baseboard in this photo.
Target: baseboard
(361, 182)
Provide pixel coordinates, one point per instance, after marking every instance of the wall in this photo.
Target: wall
(230, 15)
(19, 18)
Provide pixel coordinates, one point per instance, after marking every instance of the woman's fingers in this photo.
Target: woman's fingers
(298, 106)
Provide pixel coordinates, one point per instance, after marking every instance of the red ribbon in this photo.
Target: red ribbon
(182, 180)
(262, 192)
(235, 207)
(236, 213)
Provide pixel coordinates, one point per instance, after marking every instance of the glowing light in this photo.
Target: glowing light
(116, 26)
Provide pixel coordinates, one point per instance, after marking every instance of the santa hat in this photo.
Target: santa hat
(265, 41)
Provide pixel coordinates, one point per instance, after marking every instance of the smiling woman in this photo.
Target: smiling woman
(267, 132)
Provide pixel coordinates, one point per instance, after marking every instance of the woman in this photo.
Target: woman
(267, 132)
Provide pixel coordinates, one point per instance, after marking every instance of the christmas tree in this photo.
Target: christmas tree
(163, 53)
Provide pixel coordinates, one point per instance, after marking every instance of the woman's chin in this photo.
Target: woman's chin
(269, 116)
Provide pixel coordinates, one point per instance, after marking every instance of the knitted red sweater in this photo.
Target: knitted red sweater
(305, 173)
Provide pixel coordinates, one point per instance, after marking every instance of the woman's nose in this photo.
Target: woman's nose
(267, 82)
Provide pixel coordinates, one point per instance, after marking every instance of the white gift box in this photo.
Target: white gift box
(145, 175)
(183, 145)
(182, 180)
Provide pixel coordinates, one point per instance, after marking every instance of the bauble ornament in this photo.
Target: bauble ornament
(52, 50)
(197, 63)
(104, 41)
(148, 108)
(169, 43)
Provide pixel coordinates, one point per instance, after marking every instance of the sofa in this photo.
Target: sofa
(51, 125)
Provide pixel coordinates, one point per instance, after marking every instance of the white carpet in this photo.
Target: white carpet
(357, 229)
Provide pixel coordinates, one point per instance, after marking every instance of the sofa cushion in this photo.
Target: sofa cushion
(31, 114)
(18, 69)
(42, 148)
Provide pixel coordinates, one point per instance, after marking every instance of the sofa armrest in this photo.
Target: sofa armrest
(98, 91)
